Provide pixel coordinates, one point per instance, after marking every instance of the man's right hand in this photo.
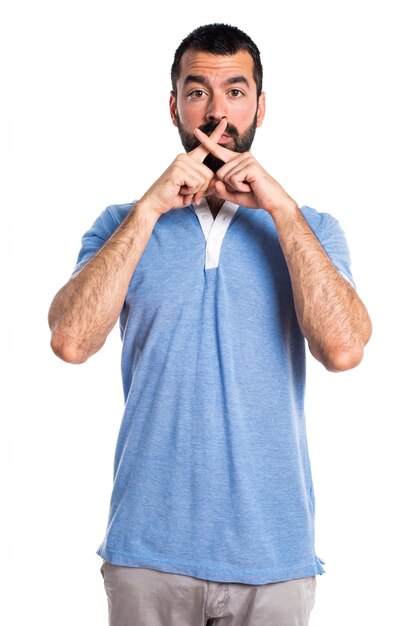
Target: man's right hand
(186, 178)
(85, 310)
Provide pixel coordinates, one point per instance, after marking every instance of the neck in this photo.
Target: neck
(214, 204)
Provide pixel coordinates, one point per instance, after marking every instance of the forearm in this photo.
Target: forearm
(85, 310)
(332, 317)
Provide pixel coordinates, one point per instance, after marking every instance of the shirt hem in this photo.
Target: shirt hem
(220, 573)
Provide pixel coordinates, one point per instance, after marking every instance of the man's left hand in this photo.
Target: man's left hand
(243, 181)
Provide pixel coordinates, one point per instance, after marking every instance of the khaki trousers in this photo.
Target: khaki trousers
(146, 597)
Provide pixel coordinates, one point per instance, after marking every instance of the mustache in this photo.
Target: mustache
(210, 126)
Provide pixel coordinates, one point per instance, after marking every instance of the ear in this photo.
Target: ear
(261, 108)
(173, 108)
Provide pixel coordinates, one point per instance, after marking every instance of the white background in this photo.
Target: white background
(85, 124)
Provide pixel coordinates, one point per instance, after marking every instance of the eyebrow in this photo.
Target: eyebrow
(202, 80)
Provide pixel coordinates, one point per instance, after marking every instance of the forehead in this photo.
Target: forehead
(216, 66)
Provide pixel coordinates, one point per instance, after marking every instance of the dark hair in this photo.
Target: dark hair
(221, 39)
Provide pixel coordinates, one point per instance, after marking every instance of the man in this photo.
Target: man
(217, 276)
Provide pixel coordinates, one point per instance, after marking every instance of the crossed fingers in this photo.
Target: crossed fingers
(201, 152)
(235, 171)
(198, 186)
(210, 143)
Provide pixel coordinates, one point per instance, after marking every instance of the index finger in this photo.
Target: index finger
(201, 152)
(214, 148)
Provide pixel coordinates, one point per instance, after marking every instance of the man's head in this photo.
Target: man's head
(217, 73)
(219, 39)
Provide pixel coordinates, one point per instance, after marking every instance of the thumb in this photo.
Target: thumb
(222, 191)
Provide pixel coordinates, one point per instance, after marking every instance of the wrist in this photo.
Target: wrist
(144, 208)
(286, 210)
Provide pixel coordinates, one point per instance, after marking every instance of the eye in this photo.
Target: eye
(236, 93)
(196, 94)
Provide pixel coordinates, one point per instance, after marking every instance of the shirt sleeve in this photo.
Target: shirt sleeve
(103, 228)
(332, 238)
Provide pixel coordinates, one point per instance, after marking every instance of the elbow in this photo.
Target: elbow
(67, 350)
(342, 351)
(339, 357)
(343, 360)
(66, 342)
(343, 356)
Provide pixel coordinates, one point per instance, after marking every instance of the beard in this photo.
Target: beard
(241, 143)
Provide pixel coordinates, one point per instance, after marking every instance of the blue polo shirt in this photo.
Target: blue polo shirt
(212, 476)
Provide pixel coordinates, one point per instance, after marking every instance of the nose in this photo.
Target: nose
(216, 108)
